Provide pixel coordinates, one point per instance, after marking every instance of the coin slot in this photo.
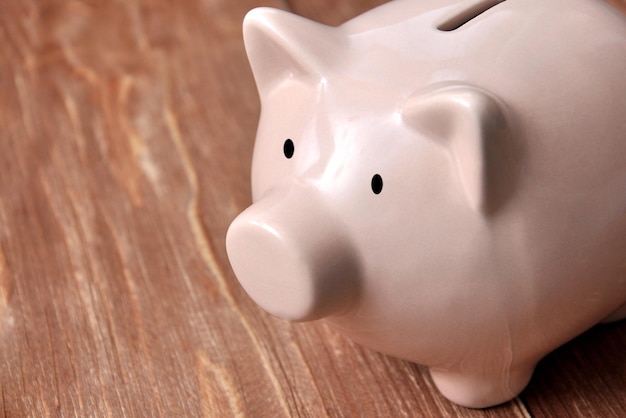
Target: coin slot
(468, 14)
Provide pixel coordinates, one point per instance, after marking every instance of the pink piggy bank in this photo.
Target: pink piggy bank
(442, 181)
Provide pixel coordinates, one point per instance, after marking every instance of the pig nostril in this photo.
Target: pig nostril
(377, 184)
(288, 148)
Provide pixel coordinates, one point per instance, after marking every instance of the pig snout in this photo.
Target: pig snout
(292, 257)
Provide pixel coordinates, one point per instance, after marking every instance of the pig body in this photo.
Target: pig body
(442, 181)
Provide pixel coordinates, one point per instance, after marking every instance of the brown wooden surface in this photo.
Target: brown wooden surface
(126, 131)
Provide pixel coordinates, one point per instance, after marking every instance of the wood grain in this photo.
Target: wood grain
(126, 132)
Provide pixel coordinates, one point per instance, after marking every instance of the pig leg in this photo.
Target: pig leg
(482, 391)
(617, 315)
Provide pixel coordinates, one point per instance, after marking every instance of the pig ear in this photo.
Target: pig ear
(283, 45)
(471, 124)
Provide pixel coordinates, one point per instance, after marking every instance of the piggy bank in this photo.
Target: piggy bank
(442, 181)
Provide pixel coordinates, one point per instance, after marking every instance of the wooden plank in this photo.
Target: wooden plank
(114, 207)
(126, 131)
(332, 12)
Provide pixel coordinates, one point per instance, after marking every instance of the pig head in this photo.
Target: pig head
(442, 181)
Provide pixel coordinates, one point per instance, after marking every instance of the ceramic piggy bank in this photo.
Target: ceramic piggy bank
(442, 181)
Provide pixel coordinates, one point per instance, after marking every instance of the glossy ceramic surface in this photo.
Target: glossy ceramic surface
(442, 181)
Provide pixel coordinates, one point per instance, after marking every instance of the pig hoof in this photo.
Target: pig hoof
(481, 391)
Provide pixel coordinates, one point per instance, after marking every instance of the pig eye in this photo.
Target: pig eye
(288, 148)
(377, 184)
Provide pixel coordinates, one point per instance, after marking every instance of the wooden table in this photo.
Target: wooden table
(126, 132)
